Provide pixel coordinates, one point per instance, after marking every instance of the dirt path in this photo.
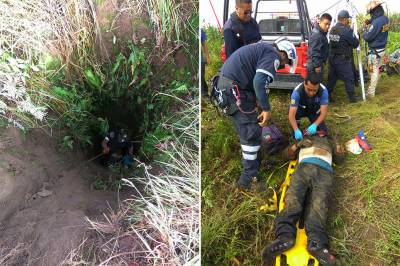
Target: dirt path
(44, 197)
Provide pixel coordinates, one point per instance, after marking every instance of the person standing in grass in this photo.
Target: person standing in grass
(313, 178)
(205, 59)
(318, 47)
(240, 29)
(376, 35)
(244, 80)
(309, 99)
(342, 43)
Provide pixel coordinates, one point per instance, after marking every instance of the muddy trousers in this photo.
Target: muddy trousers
(375, 62)
(341, 68)
(250, 135)
(315, 183)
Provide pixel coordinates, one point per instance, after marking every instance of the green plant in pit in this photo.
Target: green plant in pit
(159, 135)
(99, 184)
(76, 115)
(68, 143)
(85, 107)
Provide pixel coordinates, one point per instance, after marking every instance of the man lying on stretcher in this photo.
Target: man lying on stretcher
(313, 178)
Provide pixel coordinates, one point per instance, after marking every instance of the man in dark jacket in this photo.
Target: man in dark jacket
(342, 43)
(244, 80)
(314, 176)
(376, 35)
(318, 47)
(240, 29)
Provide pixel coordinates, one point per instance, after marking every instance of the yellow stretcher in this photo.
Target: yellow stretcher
(297, 255)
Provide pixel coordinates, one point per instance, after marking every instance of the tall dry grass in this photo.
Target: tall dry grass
(30, 33)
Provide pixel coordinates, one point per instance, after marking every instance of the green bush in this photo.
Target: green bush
(393, 42)
(214, 42)
(394, 19)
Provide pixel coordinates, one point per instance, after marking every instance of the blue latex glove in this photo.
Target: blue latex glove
(298, 135)
(127, 160)
(312, 129)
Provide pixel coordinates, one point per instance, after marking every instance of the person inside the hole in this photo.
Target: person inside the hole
(313, 179)
(117, 148)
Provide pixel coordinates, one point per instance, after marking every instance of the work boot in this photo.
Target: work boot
(278, 246)
(242, 187)
(322, 254)
(353, 99)
(255, 186)
(356, 82)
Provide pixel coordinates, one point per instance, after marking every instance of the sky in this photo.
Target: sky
(314, 7)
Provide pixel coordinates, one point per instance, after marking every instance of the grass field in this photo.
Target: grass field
(364, 218)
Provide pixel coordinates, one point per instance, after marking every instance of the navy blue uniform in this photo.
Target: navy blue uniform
(377, 33)
(318, 49)
(252, 68)
(342, 43)
(238, 33)
(376, 36)
(309, 107)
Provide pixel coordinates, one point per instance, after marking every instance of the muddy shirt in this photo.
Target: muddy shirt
(321, 151)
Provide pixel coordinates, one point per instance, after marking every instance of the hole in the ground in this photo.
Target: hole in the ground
(121, 116)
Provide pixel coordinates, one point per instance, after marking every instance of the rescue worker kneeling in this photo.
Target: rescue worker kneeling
(309, 99)
(313, 176)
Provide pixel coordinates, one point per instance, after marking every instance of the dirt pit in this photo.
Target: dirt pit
(45, 196)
